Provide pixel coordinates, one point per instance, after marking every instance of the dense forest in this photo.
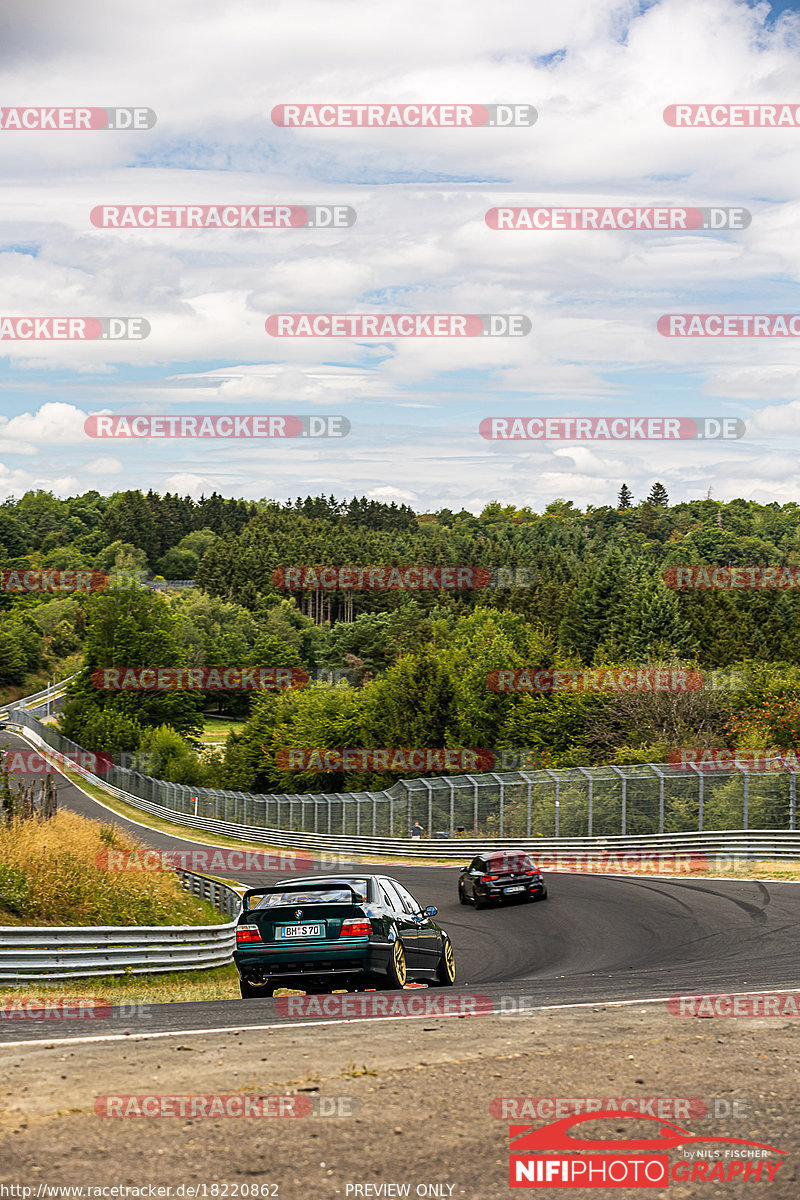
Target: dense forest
(567, 588)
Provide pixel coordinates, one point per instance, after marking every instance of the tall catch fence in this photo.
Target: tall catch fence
(637, 799)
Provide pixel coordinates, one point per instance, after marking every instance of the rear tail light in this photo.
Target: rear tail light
(356, 928)
(489, 878)
(247, 933)
(530, 872)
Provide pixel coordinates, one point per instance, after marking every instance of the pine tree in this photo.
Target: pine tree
(658, 496)
(654, 626)
(595, 606)
(625, 497)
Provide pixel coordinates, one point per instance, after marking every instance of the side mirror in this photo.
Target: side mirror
(431, 910)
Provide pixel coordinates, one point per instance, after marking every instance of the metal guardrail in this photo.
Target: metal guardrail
(38, 699)
(30, 955)
(718, 845)
(638, 805)
(632, 800)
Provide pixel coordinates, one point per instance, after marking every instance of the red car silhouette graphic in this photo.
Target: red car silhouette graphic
(556, 1136)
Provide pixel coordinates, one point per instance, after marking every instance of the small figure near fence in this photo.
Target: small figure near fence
(417, 830)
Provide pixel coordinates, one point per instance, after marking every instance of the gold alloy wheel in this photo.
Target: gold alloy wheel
(400, 962)
(449, 960)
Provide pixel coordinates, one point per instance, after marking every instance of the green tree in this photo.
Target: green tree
(653, 627)
(658, 496)
(131, 627)
(596, 607)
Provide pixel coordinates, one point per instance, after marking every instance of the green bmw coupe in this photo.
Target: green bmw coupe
(344, 931)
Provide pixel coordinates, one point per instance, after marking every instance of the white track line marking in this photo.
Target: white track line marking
(138, 1037)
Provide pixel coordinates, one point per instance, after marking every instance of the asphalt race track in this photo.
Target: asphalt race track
(596, 939)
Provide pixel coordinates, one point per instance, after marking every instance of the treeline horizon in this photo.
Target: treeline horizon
(416, 661)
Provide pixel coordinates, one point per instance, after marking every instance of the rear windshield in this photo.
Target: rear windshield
(323, 895)
(513, 864)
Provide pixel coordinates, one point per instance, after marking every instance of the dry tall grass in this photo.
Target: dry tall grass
(51, 873)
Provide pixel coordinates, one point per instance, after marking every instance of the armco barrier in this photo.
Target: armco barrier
(38, 699)
(720, 845)
(623, 804)
(30, 955)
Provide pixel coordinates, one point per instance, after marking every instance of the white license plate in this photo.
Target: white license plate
(508, 890)
(300, 931)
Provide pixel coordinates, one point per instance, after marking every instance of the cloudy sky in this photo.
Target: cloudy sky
(599, 72)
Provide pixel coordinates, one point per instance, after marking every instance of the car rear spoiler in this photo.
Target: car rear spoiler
(322, 885)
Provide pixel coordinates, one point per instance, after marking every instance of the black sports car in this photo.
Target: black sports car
(347, 931)
(496, 875)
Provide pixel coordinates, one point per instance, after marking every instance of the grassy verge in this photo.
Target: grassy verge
(220, 983)
(189, 833)
(55, 872)
(762, 869)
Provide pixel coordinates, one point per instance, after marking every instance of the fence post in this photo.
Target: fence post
(529, 782)
(429, 787)
(624, 798)
(497, 779)
(474, 783)
(746, 800)
(557, 799)
(586, 774)
(660, 775)
(792, 800)
(700, 782)
(452, 787)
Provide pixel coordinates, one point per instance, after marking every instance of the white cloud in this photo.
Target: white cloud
(213, 77)
(53, 423)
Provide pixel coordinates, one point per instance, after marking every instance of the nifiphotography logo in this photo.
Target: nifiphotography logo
(552, 1157)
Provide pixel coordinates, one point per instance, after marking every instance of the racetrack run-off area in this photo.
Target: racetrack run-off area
(605, 948)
